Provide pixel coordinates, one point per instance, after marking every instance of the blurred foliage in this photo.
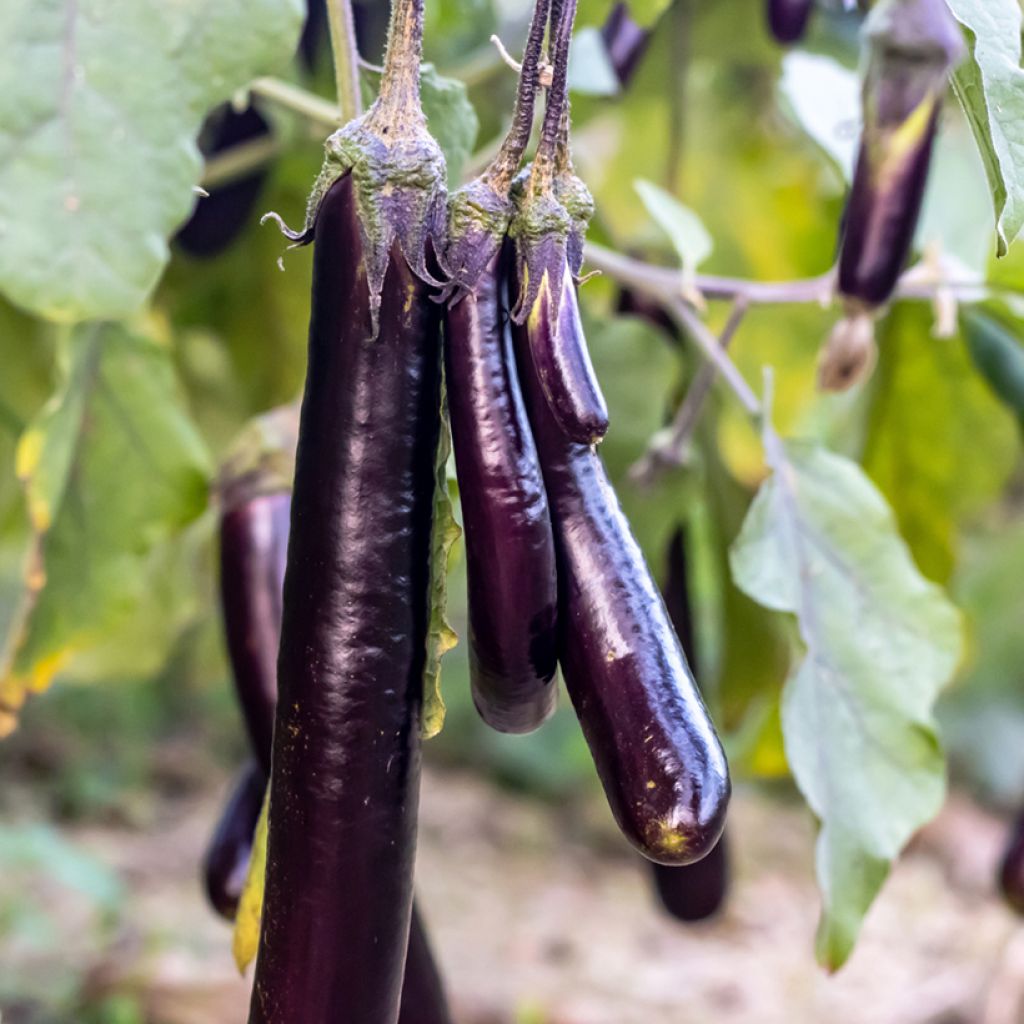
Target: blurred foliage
(711, 120)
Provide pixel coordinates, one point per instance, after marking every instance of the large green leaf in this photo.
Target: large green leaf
(112, 467)
(881, 641)
(940, 445)
(100, 105)
(990, 86)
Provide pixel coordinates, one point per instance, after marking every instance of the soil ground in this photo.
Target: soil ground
(541, 916)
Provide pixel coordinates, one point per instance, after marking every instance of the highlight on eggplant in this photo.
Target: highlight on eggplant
(661, 764)
(345, 767)
(913, 45)
(788, 19)
(553, 208)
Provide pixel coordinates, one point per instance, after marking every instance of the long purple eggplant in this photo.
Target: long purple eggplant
(254, 530)
(345, 778)
(344, 790)
(226, 862)
(913, 45)
(656, 752)
(693, 892)
(788, 19)
(510, 550)
(253, 546)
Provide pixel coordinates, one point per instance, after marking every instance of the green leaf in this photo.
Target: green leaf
(820, 543)
(100, 105)
(686, 230)
(441, 638)
(939, 444)
(990, 86)
(644, 12)
(824, 98)
(450, 116)
(590, 69)
(246, 937)
(998, 356)
(112, 467)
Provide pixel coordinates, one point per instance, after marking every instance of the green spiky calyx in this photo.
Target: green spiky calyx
(540, 230)
(478, 219)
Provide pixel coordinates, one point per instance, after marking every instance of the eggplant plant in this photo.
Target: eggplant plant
(447, 288)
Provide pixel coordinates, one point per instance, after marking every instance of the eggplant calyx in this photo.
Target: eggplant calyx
(478, 219)
(540, 229)
(573, 194)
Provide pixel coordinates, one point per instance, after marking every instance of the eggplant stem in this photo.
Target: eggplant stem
(345, 51)
(399, 98)
(563, 14)
(505, 165)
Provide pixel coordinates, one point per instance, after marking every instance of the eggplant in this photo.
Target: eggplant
(344, 789)
(913, 46)
(788, 19)
(510, 551)
(1011, 869)
(220, 217)
(566, 374)
(663, 770)
(695, 891)
(226, 862)
(253, 546)
(423, 996)
(625, 42)
(345, 770)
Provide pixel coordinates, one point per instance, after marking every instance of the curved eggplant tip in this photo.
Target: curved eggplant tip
(683, 835)
(514, 718)
(589, 429)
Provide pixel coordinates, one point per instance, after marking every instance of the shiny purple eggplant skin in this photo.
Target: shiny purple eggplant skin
(696, 891)
(625, 41)
(510, 550)
(253, 548)
(563, 365)
(345, 781)
(788, 19)
(423, 997)
(226, 862)
(1011, 869)
(656, 752)
(879, 224)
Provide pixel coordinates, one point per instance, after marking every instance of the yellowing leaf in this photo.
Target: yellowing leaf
(441, 638)
(246, 939)
(112, 468)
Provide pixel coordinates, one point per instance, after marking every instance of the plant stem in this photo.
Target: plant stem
(399, 98)
(671, 449)
(240, 160)
(506, 163)
(300, 101)
(345, 50)
(664, 285)
(563, 13)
